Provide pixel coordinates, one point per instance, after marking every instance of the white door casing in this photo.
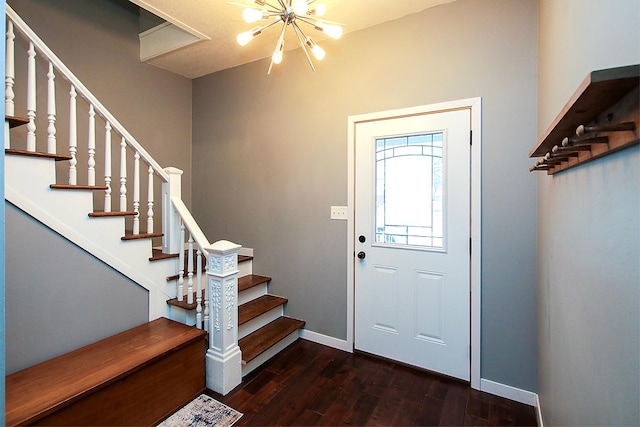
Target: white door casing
(406, 322)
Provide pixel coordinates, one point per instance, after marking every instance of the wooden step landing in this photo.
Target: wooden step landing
(254, 308)
(251, 280)
(259, 341)
(56, 157)
(137, 377)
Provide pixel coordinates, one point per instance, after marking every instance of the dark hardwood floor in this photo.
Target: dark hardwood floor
(310, 384)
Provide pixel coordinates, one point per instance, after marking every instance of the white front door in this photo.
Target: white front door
(412, 239)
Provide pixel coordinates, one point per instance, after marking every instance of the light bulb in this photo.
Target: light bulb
(333, 31)
(277, 57)
(251, 15)
(321, 9)
(247, 36)
(301, 7)
(318, 52)
(277, 54)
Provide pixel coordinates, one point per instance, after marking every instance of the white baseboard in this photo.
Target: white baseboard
(508, 392)
(539, 412)
(325, 340)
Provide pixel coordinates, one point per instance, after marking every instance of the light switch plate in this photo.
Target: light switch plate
(339, 212)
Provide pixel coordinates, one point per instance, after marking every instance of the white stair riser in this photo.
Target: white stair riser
(260, 321)
(188, 317)
(245, 268)
(252, 293)
(268, 354)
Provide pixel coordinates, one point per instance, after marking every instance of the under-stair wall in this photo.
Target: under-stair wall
(70, 300)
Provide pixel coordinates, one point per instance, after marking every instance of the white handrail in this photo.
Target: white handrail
(191, 224)
(83, 91)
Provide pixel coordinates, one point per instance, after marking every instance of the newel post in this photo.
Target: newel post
(170, 219)
(224, 359)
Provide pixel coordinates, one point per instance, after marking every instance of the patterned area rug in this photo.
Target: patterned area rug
(202, 411)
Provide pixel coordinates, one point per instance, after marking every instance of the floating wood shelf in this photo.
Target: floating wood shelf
(602, 117)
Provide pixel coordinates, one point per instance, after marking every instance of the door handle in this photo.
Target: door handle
(361, 255)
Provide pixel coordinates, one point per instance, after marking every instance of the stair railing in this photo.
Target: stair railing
(224, 358)
(181, 233)
(38, 49)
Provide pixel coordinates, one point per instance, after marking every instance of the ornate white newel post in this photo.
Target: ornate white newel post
(170, 220)
(224, 359)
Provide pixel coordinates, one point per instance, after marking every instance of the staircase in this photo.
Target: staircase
(208, 286)
(263, 329)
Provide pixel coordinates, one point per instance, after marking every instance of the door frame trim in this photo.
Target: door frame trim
(475, 107)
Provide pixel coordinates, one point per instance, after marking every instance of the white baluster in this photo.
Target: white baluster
(136, 193)
(190, 272)
(9, 72)
(31, 98)
(123, 175)
(150, 202)
(206, 307)
(107, 167)
(91, 173)
(181, 264)
(73, 137)
(9, 80)
(51, 111)
(199, 290)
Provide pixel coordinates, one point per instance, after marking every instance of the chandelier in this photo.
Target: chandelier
(289, 13)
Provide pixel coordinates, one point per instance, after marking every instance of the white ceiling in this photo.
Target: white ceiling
(218, 23)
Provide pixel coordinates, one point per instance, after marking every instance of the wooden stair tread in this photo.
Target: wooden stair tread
(100, 214)
(257, 342)
(130, 236)
(244, 258)
(56, 157)
(251, 280)
(256, 307)
(37, 390)
(16, 121)
(157, 255)
(184, 304)
(77, 187)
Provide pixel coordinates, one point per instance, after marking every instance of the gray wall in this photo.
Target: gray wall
(98, 41)
(58, 297)
(270, 158)
(589, 232)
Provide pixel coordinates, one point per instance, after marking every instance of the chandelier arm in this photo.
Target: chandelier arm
(270, 24)
(280, 40)
(298, 30)
(270, 66)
